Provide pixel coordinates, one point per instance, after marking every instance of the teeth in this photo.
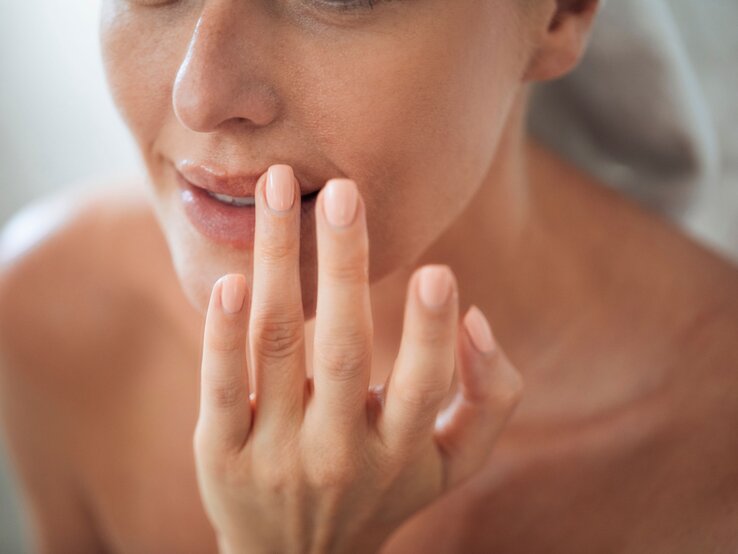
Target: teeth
(233, 200)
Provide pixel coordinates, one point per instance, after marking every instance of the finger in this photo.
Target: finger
(277, 324)
(343, 326)
(422, 373)
(225, 410)
(489, 390)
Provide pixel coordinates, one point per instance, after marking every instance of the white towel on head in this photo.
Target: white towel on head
(633, 113)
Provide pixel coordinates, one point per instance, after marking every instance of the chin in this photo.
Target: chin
(199, 263)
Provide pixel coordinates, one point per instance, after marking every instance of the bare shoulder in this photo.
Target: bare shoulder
(67, 292)
(68, 275)
(673, 298)
(646, 246)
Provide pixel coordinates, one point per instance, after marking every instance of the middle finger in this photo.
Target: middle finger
(343, 323)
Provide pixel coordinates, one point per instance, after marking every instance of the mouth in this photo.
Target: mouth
(235, 187)
(245, 201)
(228, 219)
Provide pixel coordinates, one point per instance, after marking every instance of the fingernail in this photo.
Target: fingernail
(232, 293)
(280, 191)
(340, 200)
(479, 330)
(435, 286)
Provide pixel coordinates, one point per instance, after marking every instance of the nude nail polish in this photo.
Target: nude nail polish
(340, 201)
(232, 293)
(280, 188)
(435, 286)
(479, 330)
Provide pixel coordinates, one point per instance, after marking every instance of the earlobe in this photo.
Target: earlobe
(563, 41)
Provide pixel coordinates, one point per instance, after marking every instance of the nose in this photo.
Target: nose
(221, 81)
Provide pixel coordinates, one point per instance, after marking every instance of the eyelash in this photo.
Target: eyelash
(342, 5)
(348, 4)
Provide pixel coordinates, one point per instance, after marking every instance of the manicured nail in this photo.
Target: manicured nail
(435, 285)
(280, 191)
(479, 330)
(232, 293)
(340, 200)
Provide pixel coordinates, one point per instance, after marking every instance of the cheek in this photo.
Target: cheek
(416, 122)
(141, 58)
(140, 61)
(413, 117)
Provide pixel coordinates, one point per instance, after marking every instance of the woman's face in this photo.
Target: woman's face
(406, 97)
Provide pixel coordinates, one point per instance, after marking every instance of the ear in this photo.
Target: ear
(561, 38)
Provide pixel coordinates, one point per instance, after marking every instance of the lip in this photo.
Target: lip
(232, 183)
(224, 223)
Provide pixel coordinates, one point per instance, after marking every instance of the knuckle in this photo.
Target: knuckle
(346, 358)
(226, 393)
(275, 478)
(434, 331)
(349, 270)
(349, 264)
(508, 389)
(277, 250)
(277, 337)
(338, 472)
(333, 476)
(423, 395)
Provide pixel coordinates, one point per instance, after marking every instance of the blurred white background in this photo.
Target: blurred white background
(57, 122)
(58, 125)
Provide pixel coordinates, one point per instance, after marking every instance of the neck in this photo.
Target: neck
(491, 246)
(535, 250)
(544, 254)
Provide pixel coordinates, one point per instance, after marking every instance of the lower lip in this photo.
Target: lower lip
(224, 223)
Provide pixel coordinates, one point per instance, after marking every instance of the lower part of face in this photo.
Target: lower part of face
(408, 98)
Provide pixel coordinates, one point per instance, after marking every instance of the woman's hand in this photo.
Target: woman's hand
(328, 465)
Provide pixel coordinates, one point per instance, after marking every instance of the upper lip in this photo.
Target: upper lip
(222, 181)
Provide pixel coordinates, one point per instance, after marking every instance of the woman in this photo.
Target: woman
(169, 409)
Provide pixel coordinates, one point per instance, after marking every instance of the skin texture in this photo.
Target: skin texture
(329, 467)
(394, 98)
(624, 330)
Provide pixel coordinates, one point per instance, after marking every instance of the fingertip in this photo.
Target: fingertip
(486, 372)
(232, 292)
(436, 286)
(479, 331)
(225, 323)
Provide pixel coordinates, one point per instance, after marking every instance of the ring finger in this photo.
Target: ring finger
(343, 325)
